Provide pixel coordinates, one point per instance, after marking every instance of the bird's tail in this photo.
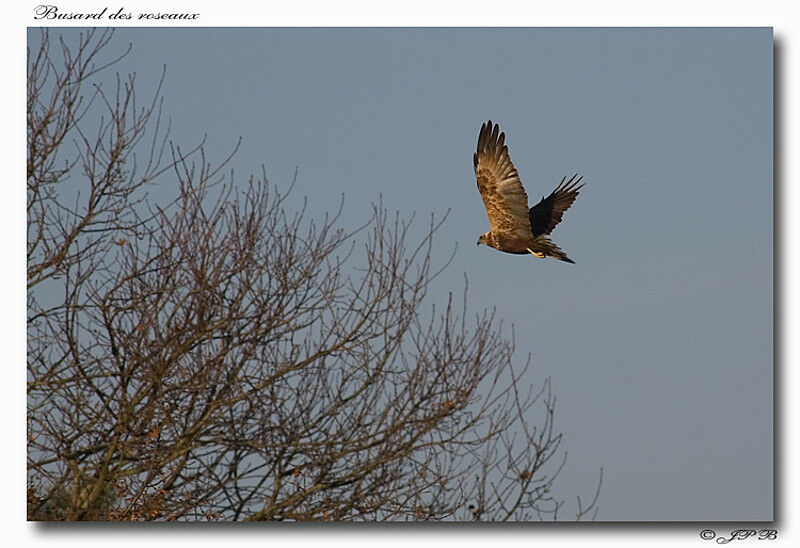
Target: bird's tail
(550, 249)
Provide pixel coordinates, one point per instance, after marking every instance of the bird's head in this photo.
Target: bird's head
(483, 239)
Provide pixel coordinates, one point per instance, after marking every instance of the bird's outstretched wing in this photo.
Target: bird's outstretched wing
(498, 182)
(545, 215)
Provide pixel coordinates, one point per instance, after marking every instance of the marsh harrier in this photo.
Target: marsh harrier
(515, 228)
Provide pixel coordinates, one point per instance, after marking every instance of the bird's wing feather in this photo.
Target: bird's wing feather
(499, 184)
(545, 215)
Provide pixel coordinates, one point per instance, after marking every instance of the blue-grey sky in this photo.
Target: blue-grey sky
(659, 339)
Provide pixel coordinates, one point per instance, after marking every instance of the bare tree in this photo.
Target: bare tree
(220, 357)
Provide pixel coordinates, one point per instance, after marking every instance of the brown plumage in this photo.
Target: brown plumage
(514, 227)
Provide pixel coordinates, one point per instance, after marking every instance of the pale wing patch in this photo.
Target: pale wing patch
(499, 184)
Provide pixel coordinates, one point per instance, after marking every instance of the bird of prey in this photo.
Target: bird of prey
(515, 228)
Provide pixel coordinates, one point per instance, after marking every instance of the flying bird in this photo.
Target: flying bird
(515, 228)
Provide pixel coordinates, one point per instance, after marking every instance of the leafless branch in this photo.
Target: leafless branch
(222, 356)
